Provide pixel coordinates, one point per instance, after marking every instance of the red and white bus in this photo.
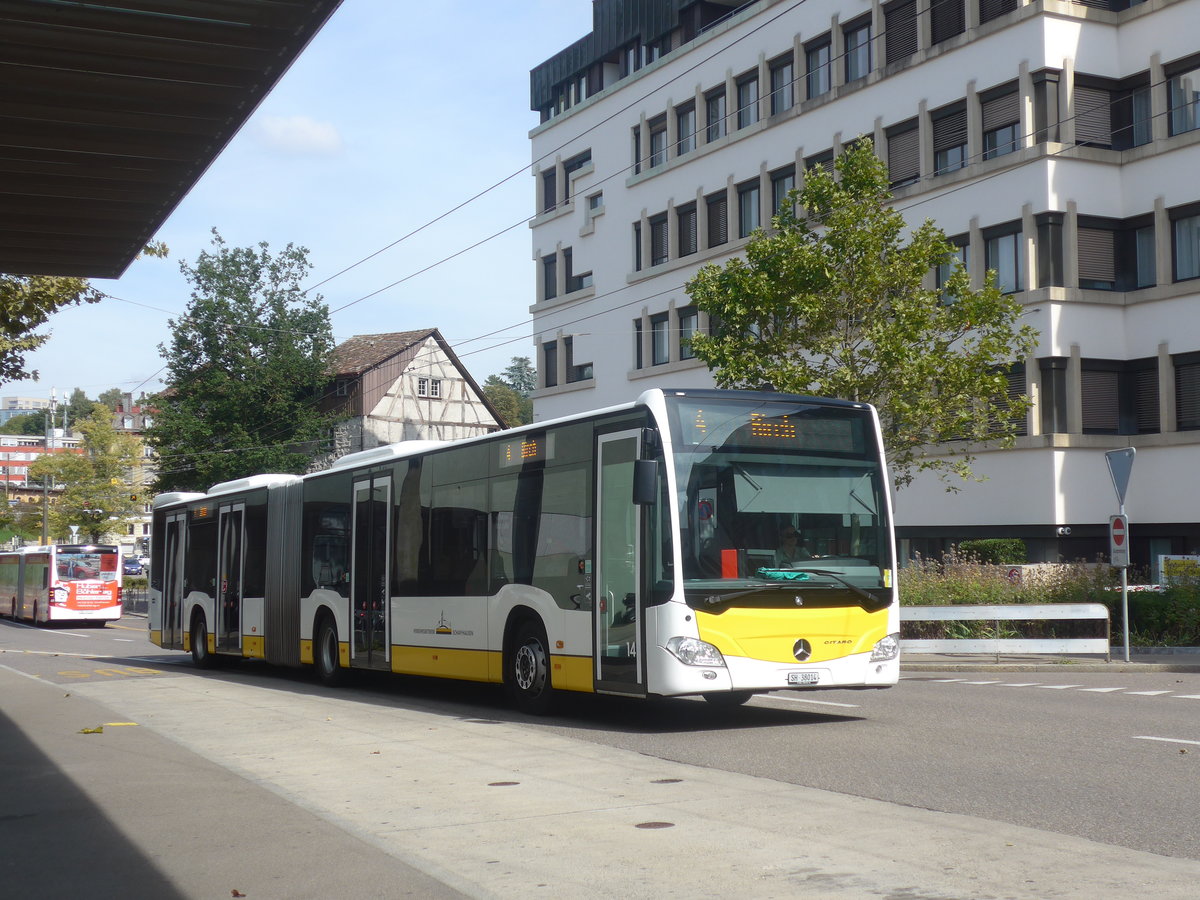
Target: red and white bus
(62, 582)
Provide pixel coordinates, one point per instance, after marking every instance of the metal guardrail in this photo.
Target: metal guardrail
(1019, 612)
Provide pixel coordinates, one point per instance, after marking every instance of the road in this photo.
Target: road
(1108, 758)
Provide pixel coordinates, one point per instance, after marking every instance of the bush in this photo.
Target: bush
(1170, 619)
(997, 551)
(135, 582)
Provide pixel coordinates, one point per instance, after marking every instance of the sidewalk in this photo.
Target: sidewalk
(1169, 659)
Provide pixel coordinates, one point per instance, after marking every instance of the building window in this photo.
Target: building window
(959, 256)
(550, 364)
(714, 104)
(748, 208)
(575, 282)
(575, 371)
(1187, 247)
(1140, 385)
(947, 19)
(1093, 115)
(1100, 389)
(900, 30)
(1143, 254)
(820, 160)
(1002, 255)
(660, 339)
(658, 142)
(1001, 121)
(1053, 395)
(816, 58)
(573, 165)
(659, 248)
(718, 218)
(949, 138)
(1015, 388)
(689, 321)
(550, 276)
(637, 246)
(549, 190)
(1183, 100)
(1097, 255)
(685, 122)
(782, 183)
(747, 97)
(637, 343)
(596, 202)
(1131, 115)
(994, 9)
(637, 150)
(858, 50)
(783, 73)
(341, 388)
(904, 153)
(430, 388)
(685, 228)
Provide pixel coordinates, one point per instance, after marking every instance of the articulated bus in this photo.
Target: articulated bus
(627, 551)
(61, 582)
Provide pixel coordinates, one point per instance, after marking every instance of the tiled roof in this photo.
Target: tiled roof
(364, 351)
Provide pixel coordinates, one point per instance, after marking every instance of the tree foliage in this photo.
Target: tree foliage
(100, 487)
(520, 375)
(32, 422)
(26, 304)
(514, 408)
(833, 302)
(246, 366)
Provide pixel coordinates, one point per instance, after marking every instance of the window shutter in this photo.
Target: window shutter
(1093, 116)
(1001, 111)
(950, 130)
(1096, 255)
(1187, 397)
(718, 222)
(904, 156)
(549, 190)
(687, 231)
(1145, 398)
(658, 242)
(993, 9)
(900, 29)
(1100, 406)
(947, 18)
(1016, 388)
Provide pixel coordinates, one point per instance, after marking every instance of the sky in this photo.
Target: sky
(394, 114)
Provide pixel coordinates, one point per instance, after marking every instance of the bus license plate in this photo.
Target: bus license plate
(803, 677)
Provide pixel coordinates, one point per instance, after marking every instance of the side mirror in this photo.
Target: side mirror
(645, 481)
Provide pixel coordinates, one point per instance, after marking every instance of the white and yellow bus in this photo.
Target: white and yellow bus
(626, 551)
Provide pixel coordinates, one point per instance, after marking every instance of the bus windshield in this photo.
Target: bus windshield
(783, 492)
(83, 565)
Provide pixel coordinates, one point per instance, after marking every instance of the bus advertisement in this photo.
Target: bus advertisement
(692, 542)
(61, 582)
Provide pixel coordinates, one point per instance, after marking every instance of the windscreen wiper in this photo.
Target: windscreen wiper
(873, 603)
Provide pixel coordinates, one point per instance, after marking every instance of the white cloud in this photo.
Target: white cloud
(300, 136)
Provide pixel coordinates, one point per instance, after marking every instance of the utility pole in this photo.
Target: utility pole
(46, 479)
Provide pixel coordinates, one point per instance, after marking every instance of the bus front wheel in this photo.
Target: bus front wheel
(326, 654)
(201, 656)
(528, 670)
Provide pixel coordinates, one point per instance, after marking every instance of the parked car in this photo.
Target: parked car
(132, 566)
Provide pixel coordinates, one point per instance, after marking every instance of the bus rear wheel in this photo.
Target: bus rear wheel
(326, 654)
(201, 656)
(527, 670)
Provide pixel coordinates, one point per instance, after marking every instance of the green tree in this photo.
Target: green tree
(99, 485)
(246, 366)
(32, 422)
(112, 398)
(79, 407)
(832, 302)
(520, 375)
(514, 409)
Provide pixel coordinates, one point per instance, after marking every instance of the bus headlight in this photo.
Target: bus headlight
(886, 649)
(692, 652)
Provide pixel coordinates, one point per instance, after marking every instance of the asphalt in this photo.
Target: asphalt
(244, 789)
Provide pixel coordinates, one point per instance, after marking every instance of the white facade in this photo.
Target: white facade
(1057, 140)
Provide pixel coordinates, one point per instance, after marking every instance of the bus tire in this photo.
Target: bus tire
(201, 656)
(326, 655)
(728, 699)
(527, 670)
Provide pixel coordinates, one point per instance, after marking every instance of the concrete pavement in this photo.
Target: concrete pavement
(374, 798)
(1140, 660)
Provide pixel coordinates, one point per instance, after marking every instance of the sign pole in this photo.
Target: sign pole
(1120, 464)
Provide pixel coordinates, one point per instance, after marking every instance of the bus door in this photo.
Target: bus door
(230, 563)
(618, 607)
(371, 611)
(171, 602)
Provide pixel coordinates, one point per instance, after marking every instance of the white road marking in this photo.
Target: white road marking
(1146, 693)
(19, 672)
(1022, 684)
(806, 700)
(1101, 690)
(1060, 687)
(1146, 737)
(123, 640)
(981, 682)
(1187, 696)
(73, 634)
(946, 680)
